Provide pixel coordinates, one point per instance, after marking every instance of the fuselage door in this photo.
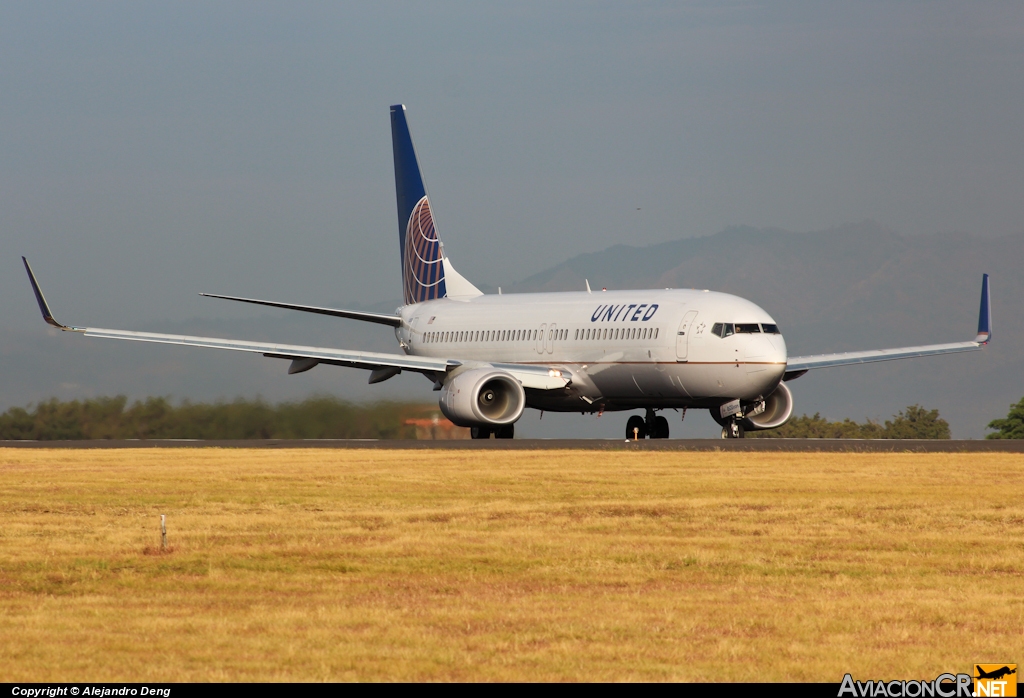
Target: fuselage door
(683, 335)
(541, 341)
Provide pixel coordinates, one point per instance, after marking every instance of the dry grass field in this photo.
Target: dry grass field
(503, 565)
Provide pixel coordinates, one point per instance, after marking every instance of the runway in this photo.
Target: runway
(710, 445)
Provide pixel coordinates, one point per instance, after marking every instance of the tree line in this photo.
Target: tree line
(327, 417)
(318, 417)
(915, 422)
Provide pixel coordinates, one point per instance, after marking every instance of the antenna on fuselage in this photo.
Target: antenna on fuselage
(587, 282)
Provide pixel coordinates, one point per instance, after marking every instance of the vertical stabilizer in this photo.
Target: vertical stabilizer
(423, 260)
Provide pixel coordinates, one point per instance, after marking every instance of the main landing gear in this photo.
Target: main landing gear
(506, 432)
(653, 427)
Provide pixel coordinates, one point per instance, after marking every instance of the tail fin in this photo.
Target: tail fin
(423, 259)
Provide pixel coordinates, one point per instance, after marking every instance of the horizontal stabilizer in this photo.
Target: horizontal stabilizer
(379, 318)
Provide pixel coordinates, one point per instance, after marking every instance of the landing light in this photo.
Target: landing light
(554, 373)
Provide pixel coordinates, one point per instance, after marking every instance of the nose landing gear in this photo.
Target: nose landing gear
(653, 427)
(732, 430)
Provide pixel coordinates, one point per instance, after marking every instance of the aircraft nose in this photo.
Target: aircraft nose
(779, 352)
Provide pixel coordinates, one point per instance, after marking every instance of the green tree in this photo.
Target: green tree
(913, 423)
(1012, 427)
(317, 417)
(916, 423)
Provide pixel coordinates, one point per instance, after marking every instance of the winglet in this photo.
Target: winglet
(43, 307)
(985, 314)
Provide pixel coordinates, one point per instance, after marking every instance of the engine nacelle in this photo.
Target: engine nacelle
(778, 407)
(483, 397)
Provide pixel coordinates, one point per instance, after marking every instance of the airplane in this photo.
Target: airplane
(493, 355)
(995, 674)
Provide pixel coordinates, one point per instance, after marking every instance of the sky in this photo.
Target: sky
(151, 151)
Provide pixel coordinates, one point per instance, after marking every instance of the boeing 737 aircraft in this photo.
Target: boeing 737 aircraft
(492, 356)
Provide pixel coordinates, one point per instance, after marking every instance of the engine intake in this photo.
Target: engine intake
(483, 397)
(778, 407)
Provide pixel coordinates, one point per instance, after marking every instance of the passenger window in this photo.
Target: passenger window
(656, 332)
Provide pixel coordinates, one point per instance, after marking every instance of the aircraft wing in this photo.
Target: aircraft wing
(797, 366)
(304, 358)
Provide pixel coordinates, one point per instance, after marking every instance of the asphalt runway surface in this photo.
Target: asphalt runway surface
(742, 445)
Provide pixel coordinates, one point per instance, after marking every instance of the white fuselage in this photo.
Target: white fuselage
(624, 349)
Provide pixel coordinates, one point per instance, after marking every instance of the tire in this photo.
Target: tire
(506, 432)
(727, 435)
(660, 428)
(636, 422)
(480, 432)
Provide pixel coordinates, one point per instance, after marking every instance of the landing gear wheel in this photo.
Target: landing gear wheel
(732, 431)
(480, 432)
(660, 428)
(506, 432)
(636, 422)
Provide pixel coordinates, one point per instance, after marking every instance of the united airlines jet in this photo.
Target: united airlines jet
(492, 356)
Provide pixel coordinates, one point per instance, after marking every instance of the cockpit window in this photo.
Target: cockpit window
(770, 329)
(748, 328)
(722, 329)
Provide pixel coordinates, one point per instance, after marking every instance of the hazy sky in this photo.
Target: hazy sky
(149, 151)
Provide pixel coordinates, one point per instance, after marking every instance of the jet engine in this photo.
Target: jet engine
(483, 397)
(770, 413)
(778, 407)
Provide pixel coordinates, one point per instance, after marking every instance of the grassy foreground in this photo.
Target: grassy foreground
(500, 565)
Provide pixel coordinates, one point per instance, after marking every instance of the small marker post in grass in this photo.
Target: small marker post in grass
(163, 531)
